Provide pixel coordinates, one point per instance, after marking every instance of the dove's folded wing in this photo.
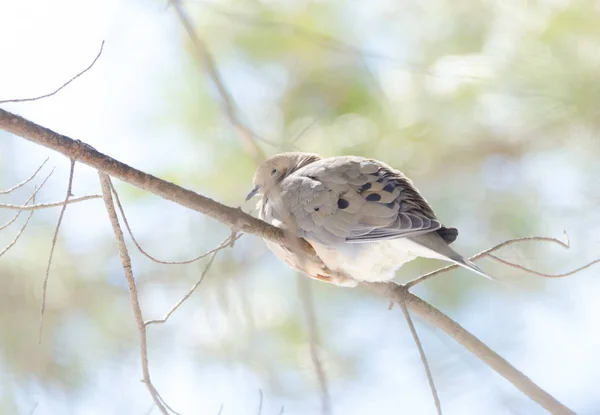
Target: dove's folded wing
(354, 200)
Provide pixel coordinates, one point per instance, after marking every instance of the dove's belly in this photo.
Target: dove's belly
(373, 261)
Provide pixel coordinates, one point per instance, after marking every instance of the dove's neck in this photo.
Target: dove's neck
(302, 160)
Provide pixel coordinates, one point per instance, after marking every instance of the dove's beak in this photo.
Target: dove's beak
(253, 192)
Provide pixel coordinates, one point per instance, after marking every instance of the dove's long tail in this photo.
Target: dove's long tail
(437, 248)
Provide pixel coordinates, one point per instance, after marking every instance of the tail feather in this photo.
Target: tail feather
(439, 249)
(465, 263)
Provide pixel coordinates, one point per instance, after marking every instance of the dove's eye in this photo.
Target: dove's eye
(273, 172)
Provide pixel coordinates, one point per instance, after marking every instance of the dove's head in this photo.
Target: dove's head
(276, 168)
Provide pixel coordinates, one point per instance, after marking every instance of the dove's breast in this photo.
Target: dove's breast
(373, 262)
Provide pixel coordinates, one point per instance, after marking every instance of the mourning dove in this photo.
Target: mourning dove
(363, 218)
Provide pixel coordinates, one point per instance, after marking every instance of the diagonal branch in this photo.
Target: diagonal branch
(400, 294)
(57, 90)
(135, 303)
(86, 154)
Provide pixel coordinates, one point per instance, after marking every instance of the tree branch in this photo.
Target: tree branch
(135, 303)
(86, 154)
(432, 315)
(236, 219)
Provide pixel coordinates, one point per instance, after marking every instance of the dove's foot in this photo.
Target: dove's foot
(337, 280)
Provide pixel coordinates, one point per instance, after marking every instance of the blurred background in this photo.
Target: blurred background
(491, 107)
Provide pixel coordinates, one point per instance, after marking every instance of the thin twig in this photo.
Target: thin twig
(164, 402)
(27, 180)
(133, 294)
(54, 239)
(542, 274)
(49, 205)
(305, 294)
(260, 401)
(223, 244)
(60, 87)
(281, 412)
(31, 197)
(209, 65)
(487, 252)
(220, 409)
(152, 258)
(413, 331)
(14, 241)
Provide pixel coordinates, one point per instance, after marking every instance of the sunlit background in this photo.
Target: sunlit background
(491, 107)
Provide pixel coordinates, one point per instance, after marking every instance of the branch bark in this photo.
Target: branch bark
(235, 218)
(135, 303)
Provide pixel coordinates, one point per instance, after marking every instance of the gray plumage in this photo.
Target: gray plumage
(361, 216)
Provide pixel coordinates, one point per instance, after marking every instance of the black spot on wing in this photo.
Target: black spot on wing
(343, 203)
(389, 187)
(374, 197)
(365, 187)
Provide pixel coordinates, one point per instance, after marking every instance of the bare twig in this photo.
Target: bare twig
(152, 258)
(163, 401)
(15, 240)
(209, 65)
(54, 239)
(31, 197)
(49, 205)
(281, 411)
(223, 244)
(489, 251)
(306, 299)
(220, 410)
(24, 182)
(135, 303)
(542, 274)
(260, 401)
(60, 87)
(399, 294)
(413, 331)
(236, 219)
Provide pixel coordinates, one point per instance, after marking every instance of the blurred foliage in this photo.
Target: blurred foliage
(477, 101)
